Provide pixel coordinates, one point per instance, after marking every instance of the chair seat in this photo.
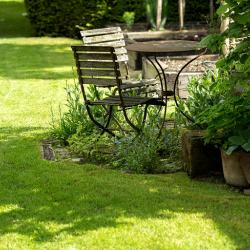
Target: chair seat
(129, 101)
(145, 83)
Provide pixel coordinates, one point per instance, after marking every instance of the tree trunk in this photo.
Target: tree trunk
(224, 26)
(158, 14)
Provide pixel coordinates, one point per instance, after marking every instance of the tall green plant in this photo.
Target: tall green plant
(67, 123)
(75, 115)
(151, 9)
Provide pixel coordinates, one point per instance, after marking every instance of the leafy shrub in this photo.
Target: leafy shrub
(141, 154)
(228, 122)
(75, 118)
(68, 122)
(204, 92)
(171, 145)
(144, 153)
(91, 145)
(117, 8)
(129, 18)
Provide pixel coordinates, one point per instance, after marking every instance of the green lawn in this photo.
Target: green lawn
(53, 205)
(13, 21)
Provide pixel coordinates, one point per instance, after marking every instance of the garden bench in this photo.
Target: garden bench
(98, 66)
(114, 37)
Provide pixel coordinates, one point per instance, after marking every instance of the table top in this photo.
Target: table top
(166, 46)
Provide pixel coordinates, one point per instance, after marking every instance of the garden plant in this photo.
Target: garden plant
(131, 152)
(220, 103)
(230, 116)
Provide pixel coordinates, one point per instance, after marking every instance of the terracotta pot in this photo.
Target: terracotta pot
(236, 168)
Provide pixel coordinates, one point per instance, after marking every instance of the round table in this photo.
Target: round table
(164, 48)
(154, 49)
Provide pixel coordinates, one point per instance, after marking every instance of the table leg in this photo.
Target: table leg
(163, 82)
(158, 73)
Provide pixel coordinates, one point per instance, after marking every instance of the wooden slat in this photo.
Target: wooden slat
(95, 56)
(100, 31)
(100, 82)
(98, 67)
(98, 72)
(91, 48)
(97, 64)
(132, 100)
(100, 48)
(122, 58)
(99, 77)
(115, 44)
(103, 38)
(128, 101)
(102, 57)
(106, 102)
(120, 51)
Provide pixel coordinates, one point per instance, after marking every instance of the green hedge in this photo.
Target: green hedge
(60, 17)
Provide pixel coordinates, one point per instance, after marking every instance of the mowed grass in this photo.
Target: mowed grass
(56, 205)
(13, 20)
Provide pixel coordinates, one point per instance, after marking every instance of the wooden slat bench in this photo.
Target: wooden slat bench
(99, 66)
(114, 37)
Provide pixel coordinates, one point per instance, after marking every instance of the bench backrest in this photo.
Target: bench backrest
(97, 65)
(112, 36)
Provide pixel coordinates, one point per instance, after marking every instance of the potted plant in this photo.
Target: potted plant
(228, 122)
(228, 126)
(199, 158)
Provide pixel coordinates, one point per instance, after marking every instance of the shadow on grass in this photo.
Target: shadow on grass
(13, 20)
(44, 199)
(36, 61)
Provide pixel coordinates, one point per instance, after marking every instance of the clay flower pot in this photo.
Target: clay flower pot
(236, 168)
